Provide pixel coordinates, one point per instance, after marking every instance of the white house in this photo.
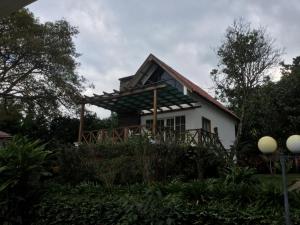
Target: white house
(160, 100)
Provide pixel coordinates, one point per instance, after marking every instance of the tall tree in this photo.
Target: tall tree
(287, 97)
(273, 109)
(245, 58)
(38, 64)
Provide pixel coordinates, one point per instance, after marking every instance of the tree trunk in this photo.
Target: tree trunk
(239, 134)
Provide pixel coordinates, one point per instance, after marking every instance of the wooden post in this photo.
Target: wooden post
(126, 133)
(154, 124)
(81, 122)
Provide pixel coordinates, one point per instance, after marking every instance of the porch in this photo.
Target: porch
(147, 100)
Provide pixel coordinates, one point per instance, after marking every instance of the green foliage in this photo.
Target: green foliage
(73, 165)
(51, 130)
(245, 56)
(287, 98)
(271, 194)
(38, 64)
(239, 175)
(118, 170)
(21, 168)
(173, 203)
(140, 161)
(208, 160)
(273, 109)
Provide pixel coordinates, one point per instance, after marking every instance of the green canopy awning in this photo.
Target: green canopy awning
(141, 98)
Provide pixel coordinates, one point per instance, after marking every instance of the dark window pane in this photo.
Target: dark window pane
(160, 125)
(206, 124)
(149, 124)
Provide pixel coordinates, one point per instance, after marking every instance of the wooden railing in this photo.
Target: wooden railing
(112, 135)
(115, 135)
(190, 137)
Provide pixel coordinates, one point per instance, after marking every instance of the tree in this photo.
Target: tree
(275, 106)
(274, 110)
(288, 97)
(245, 58)
(38, 64)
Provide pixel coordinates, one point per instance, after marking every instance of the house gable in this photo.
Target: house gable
(154, 70)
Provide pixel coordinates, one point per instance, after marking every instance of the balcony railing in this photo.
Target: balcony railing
(113, 135)
(121, 134)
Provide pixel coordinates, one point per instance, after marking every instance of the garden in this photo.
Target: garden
(135, 182)
(46, 180)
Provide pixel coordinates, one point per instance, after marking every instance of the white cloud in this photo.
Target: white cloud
(116, 36)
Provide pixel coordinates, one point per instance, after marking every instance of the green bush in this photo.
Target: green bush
(140, 161)
(173, 203)
(22, 164)
(135, 161)
(73, 165)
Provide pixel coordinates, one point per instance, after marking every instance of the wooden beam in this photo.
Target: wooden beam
(80, 132)
(173, 110)
(154, 111)
(107, 94)
(130, 92)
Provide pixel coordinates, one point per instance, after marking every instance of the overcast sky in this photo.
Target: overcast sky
(117, 35)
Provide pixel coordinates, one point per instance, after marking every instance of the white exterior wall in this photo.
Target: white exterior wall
(193, 120)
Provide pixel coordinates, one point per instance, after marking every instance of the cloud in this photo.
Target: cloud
(116, 36)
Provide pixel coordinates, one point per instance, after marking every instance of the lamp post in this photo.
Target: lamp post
(268, 145)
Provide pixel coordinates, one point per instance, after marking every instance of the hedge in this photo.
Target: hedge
(157, 204)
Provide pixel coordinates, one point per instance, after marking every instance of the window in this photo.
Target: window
(169, 124)
(206, 124)
(180, 123)
(216, 130)
(149, 124)
(180, 127)
(160, 125)
(170, 128)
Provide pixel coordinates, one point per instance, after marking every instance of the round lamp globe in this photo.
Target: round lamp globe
(293, 143)
(267, 145)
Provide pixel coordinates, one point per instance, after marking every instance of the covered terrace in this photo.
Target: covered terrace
(130, 104)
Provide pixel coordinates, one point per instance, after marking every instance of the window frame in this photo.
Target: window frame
(208, 121)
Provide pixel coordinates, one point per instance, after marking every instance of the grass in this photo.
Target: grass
(277, 179)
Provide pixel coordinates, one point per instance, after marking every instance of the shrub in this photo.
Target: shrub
(118, 170)
(174, 203)
(135, 161)
(208, 161)
(21, 168)
(138, 160)
(73, 165)
(240, 175)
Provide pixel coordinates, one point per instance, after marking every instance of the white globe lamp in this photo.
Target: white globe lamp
(293, 143)
(267, 145)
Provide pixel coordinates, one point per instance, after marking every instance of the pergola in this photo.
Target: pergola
(147, 99)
